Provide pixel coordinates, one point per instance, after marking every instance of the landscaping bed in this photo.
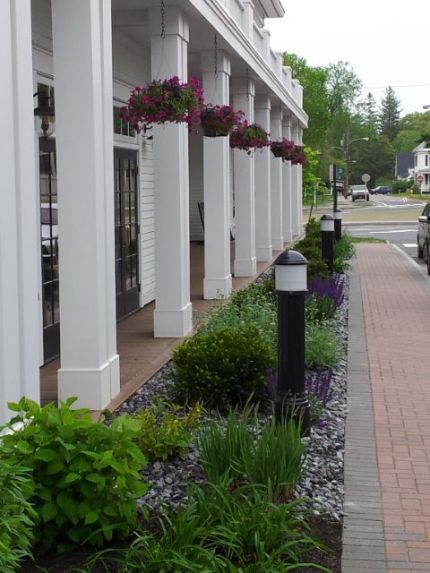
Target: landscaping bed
(220, 484)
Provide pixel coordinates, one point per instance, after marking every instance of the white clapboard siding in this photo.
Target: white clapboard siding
(147, 223)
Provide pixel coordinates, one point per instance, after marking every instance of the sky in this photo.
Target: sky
(386, 42)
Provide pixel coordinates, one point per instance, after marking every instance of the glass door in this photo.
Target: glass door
(49, 248)
(126, 232)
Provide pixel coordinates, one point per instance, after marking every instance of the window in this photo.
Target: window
(427, 160)
(121, 127)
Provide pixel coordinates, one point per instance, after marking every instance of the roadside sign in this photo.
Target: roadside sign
(420, 178)
(365, 177)
(340, 173)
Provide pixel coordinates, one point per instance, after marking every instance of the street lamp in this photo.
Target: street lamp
(427, 106)
(346, 147)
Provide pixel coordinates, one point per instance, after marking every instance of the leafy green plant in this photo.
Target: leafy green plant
(85, 474)
(319, 309)
(266, 454)
(221, 530)
(164, 432)
(16, 516)
(343, 251)
(322, 349)
(223, 367)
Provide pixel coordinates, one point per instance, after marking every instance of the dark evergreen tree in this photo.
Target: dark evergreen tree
(370, 114)
(389, 116)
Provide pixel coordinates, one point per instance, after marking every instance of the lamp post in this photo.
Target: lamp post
(346, 148)
(291, 287)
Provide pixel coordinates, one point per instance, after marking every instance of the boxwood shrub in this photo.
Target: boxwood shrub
(222, 367)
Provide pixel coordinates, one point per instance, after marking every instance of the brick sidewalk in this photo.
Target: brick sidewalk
(396, 305)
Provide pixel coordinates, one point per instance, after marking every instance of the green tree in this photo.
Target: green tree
(370, 113)
(389, 117)
(411, 128)
(375, 157)
(315, 99)
(343, 87)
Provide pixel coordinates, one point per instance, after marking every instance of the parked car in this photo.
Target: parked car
(423, 236)
(381, 190)
(359, 192)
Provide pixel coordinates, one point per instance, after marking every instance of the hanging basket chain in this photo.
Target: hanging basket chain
(163, 20)
(216, 55)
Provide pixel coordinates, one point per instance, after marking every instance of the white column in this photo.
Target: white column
(295, 191)
(173, 310)
(84, 135)
(276, 183)
(217, 281)
(300, 183)
(263, 227)
(19, 236)
(287, 184)
(245, 264)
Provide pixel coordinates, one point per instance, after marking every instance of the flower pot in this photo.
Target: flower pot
(216, 131)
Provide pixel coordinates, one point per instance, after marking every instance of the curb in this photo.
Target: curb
(363, 536)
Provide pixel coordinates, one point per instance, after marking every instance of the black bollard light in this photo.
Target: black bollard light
(291, 287)
(337, 214)
(327, 238)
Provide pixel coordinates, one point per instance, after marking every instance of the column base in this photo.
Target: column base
(288, 236)
(94, 388)
(278, 244)
(173, 323)
(245, 267)
(264, 254)
(217, 288)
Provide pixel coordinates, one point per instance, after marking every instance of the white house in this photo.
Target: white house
(422, 166)
(95, 220)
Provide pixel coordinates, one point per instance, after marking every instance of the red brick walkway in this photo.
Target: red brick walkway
(396, 302)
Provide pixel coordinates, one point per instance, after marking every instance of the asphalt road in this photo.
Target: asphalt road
(383, 217)
(403, 234)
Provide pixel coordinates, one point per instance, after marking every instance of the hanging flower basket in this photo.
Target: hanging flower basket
(163, 101)
(248, 137)
(283, 148)
(219, 120)
(287, 150)
(300, 157)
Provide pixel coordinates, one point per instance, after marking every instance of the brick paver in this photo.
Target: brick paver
(396, 304)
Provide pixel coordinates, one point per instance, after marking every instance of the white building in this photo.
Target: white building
(95, 220)
(422, 167)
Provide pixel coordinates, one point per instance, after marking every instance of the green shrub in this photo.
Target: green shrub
(265, 454)
(322, 349)
(223, 367)
(163, 432)
(16, 516)
(317, 268)
(313, 228)
(254, 305)
(86, 474)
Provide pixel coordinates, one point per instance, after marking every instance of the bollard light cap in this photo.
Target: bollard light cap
(337, 214)
(291, 272)
(327, 223)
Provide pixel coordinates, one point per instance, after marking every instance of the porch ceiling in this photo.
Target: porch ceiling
(130, 18)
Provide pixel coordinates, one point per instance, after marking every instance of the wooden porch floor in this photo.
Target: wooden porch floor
(142, 355)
